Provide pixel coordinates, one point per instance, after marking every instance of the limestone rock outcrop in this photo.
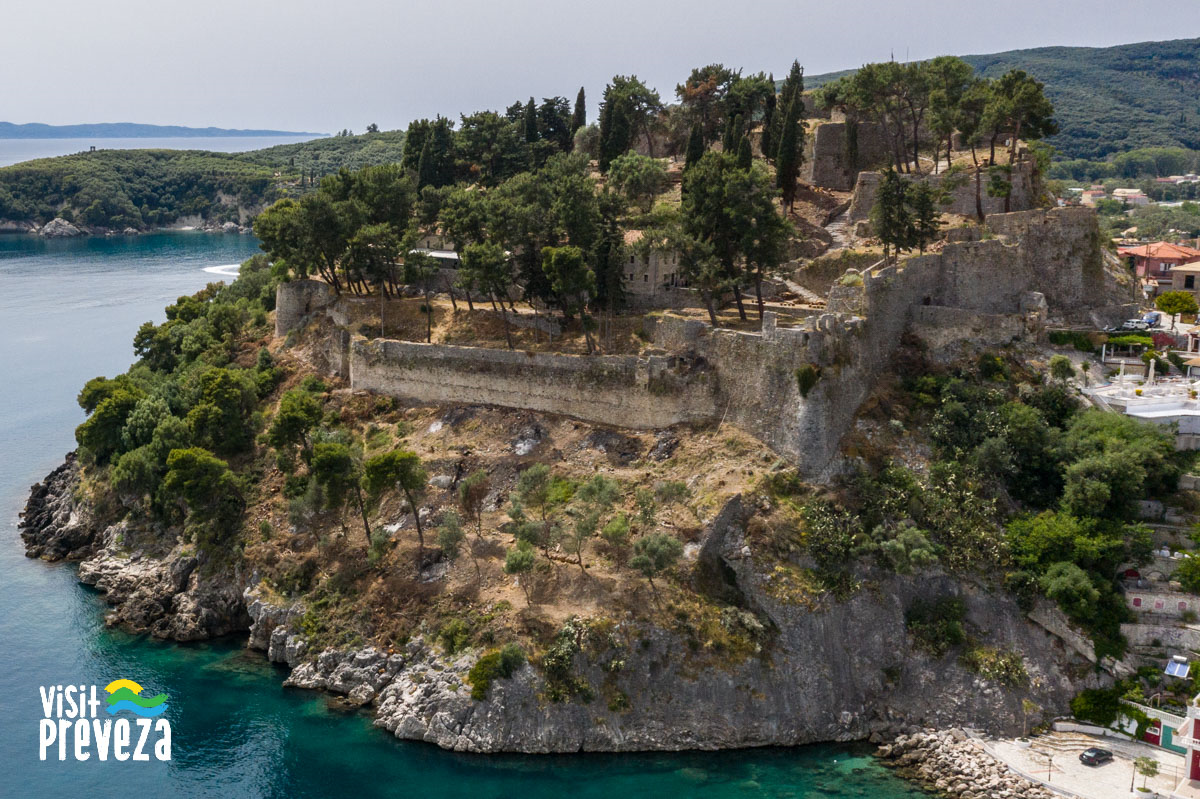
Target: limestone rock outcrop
(59, 228)
(154, 584)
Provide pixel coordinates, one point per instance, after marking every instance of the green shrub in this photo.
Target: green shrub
(1072, 338)
(996, 664)
(1101, 706)
(501, 664)
(937, 626)
(806, 378)
(313, 384)
(454, 635)
(671, 491)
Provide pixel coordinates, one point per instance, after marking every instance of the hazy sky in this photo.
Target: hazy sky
(323, 66)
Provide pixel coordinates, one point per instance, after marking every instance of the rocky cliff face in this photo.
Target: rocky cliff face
(831, 670)
(154, 585)
(843, 672)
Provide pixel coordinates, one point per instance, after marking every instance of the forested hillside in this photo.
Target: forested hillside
(147, 188)
(1108, 99)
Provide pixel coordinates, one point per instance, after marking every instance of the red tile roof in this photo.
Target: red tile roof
(1161, 249)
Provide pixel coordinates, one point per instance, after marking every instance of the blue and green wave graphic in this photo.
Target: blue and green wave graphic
(126, 695)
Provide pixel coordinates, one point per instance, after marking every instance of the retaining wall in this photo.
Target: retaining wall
(623, 391)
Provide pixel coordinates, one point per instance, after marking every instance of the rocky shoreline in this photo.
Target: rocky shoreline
(845, 671)
(59, 228)
(954, 764)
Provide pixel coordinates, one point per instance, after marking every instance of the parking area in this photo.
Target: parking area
(1054, 758)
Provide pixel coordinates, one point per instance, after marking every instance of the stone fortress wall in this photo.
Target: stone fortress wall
(827, 157)
(1023, 196)
(619, 390)
(996, 290)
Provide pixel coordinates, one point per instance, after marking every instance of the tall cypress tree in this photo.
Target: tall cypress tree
(787, 160)
(426, 168)
(620, 134)
(695, 145)
(606, 115)
(733, 134)
(793, 86)
(768, 126)
(579, 118)
(531, 126)
(744, 157)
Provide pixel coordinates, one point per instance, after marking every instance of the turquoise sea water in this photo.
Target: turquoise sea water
(68, 311)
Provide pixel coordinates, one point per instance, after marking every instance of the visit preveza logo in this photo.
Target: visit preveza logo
(73, 725)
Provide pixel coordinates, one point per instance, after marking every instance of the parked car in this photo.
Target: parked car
(1094, 756)
(1130, 325)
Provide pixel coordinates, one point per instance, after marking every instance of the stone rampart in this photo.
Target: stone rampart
(827, 158)
(961, 198)
(624, 391)
(297, 300)
(988, 291)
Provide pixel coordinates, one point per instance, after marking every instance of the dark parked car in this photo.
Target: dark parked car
(1094, 756)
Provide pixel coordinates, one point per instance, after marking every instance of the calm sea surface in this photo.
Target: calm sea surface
(13, 151)
(68, 311)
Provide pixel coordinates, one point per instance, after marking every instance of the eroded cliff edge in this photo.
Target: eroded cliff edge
(842, 671)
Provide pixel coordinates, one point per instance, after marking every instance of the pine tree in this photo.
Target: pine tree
(768, 126)
(579, 118)
(695, 146)
(744, 157)
(531, 126)
(891, 218)
(787, 160)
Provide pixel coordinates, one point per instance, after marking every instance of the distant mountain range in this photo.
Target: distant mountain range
(1108, 99)
(129, 130)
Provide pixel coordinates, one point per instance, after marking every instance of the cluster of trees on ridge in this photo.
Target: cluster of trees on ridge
(1108, 99)
(116, 189)
(942, 97)
(515, 196)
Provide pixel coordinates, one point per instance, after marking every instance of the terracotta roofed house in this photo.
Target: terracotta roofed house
(1155, 261)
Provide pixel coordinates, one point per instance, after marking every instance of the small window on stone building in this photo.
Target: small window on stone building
(1137, 601)
(1158, 604)
(1183, 606)
(1189, 281)
(631, 259)
(645, 278)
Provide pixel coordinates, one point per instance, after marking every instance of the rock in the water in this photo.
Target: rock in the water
(59, 228)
